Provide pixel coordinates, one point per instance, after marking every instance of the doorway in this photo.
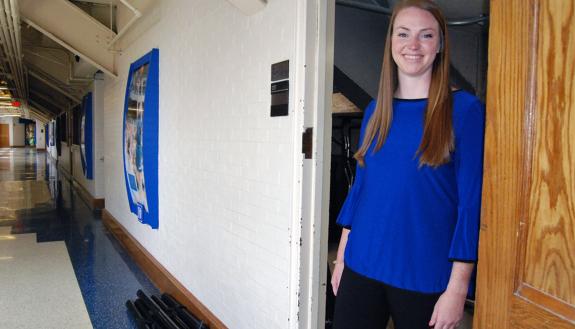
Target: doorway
(4, 135)
(359, 39)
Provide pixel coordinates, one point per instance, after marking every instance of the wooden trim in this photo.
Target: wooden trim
(163, 279)
(93, 203)
(17, 146)
(64, 171)
(507, 98)
(528, 140)
(524, 315)
(553, 304)
(99, 203)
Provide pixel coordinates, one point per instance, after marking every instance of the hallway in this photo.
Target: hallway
(56, 259)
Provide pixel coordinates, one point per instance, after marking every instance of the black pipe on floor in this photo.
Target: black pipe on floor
(170, 312)
(141, 321)
(157, 313)
(183, 313)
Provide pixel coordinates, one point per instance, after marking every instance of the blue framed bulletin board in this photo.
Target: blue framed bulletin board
(86, 143)
(140, 138)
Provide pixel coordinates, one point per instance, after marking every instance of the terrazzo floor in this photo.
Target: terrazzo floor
(52, 223)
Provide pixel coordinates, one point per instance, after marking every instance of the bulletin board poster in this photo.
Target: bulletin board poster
(86, 149)
(140, 138)
(51, 133)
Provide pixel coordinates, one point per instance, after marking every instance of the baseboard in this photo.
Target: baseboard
(65, 171)
(93, 203)
(165, 281)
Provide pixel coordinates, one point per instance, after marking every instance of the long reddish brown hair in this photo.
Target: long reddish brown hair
(437, 141)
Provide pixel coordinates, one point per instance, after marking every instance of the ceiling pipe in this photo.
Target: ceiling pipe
(62, 91)
(137, 15)
(47, 98)
(69, 64)
(38, 116)
(7, 47)
(18, 40)
(41, 109)
(11, 46)
(69, 47)
(14, 28)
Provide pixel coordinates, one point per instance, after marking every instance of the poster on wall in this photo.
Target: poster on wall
(140, 138)
(52, 129)
(86, 136)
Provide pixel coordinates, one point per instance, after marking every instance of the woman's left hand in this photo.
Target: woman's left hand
(448, 310)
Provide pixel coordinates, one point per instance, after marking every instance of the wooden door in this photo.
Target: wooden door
(526, 270)
(4, 135)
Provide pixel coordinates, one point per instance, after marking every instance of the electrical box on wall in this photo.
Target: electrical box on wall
(280, 89)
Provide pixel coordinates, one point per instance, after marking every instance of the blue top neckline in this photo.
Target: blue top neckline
(418, 99)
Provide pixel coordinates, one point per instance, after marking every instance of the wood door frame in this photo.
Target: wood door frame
(507, 107)
(503, 299)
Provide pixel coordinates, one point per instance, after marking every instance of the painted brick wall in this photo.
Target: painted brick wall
(64, 160)
(78, 171)
(17, 134)
(40, 135)
(98, 130)
(52, 148)
(96, 185)
(225, 167)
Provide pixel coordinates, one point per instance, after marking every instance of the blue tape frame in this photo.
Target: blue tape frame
(46, 136)
(141, 147)
(86, 146)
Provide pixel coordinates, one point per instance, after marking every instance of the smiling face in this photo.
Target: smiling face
(415, 42)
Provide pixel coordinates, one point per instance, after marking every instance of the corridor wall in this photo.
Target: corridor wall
(226, 168)
(17, 134)
(66, 156)
(40, 136)
(95, 185)
(51, 140)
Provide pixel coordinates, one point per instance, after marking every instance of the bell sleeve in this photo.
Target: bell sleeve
(345, 217)
(468, 159)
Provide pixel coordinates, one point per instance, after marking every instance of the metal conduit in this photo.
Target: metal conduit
(6, 43)
(387, 11)
(12, 46)
(16, 21)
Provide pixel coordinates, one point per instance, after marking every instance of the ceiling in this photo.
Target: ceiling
(51, 51)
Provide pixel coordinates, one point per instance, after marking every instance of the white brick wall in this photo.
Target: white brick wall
(17, 134)
(64, 160)
(40, 135)
(78, 171)
(225, 166)
(95, 185)
(52, 149)
(98, 131)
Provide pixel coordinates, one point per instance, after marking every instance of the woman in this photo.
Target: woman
(411, 220)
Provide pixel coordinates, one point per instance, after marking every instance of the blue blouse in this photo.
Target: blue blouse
(408, 223)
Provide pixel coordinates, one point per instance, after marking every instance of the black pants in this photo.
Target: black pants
(364, 303)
